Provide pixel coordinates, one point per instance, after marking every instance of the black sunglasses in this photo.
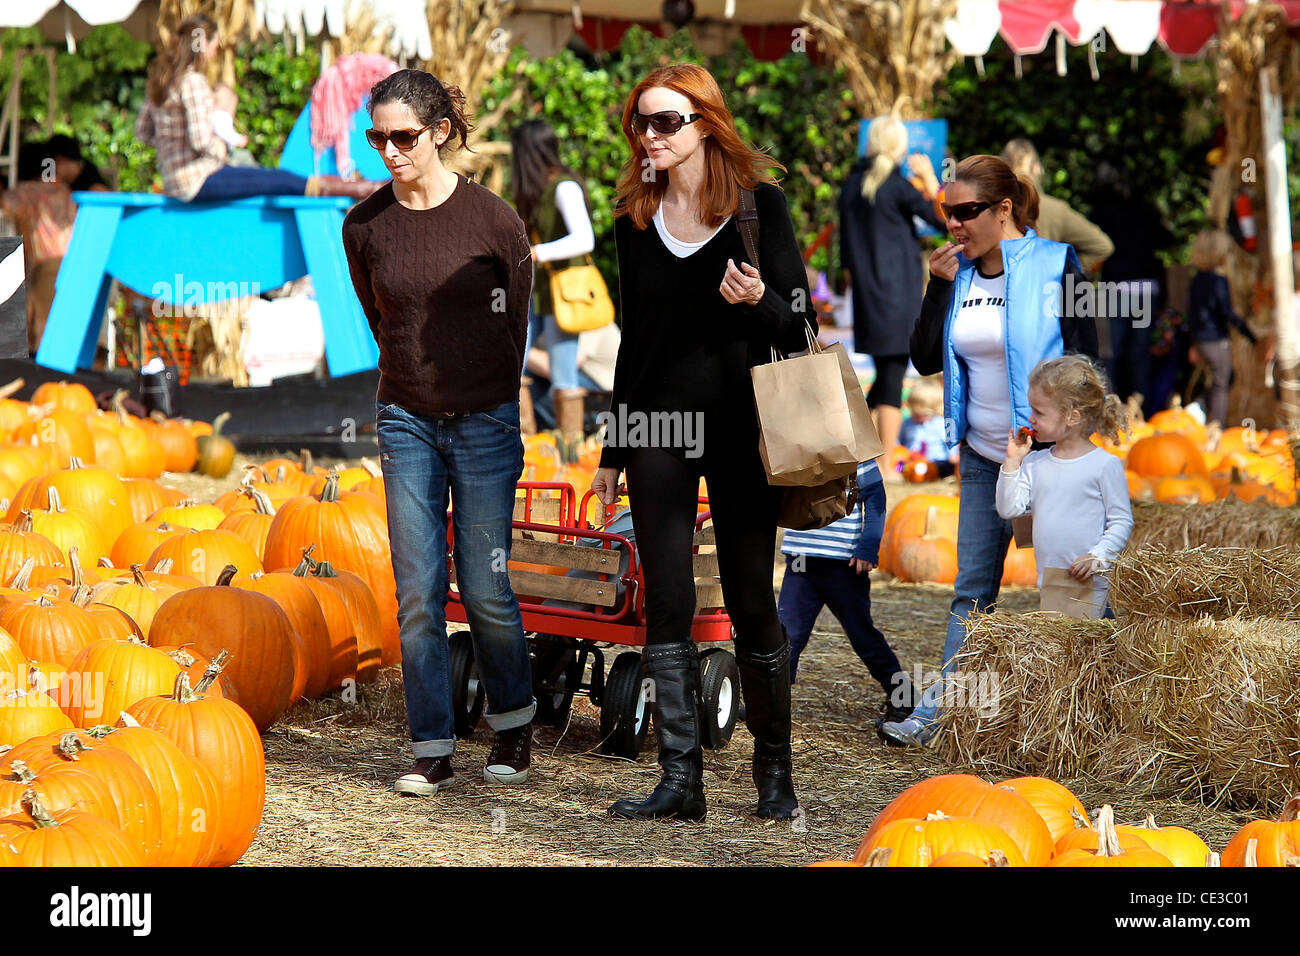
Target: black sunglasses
(403, 139)
(665, 122)
(964, 211)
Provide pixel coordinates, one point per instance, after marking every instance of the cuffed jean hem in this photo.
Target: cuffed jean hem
(511, 718)
(433, 748)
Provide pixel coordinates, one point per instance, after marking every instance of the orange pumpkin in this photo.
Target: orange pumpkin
(64, 433)
(1277, 841)
(1059, 808)
(49, 630)
(94, 490)
(203, 554)
(71, 528)
(189, 513)
(1184, 490)
(1110, 849)
(69, 838)
(296, 598)
(109, 676)
(919, 842)
(929, 557)
(252, 526)
(1020, 569)
(70, 396)
(137, 543)
(1166, 454)
(1181, 846)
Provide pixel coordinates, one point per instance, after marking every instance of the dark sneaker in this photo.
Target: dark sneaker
(509, 759)
(427, 777)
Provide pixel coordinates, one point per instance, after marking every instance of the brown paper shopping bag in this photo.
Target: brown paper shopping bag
(814, 425)
(1066, 596)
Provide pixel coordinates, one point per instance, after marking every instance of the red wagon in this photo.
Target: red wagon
(581, 590)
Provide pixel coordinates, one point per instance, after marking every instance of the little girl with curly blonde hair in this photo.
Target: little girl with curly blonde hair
(1077, 492)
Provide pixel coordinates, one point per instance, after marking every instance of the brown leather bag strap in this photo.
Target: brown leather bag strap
(747, 221)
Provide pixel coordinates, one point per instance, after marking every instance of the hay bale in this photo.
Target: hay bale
(1209, 708)
(1227, 523)
(1219, 582)
(1050, 714)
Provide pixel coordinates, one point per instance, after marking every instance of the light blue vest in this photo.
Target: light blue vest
(1034, 267)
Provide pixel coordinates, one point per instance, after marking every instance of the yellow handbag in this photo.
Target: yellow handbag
(580, 298)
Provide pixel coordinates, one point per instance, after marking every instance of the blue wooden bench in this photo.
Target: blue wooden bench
(191, 253)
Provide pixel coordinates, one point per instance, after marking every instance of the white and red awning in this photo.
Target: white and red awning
(1181, 27)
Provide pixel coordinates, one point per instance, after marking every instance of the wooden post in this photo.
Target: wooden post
(1287, 343)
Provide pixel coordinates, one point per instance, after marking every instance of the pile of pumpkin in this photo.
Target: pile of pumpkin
(1173, 459)
(961, 820)
(117, 597)
(919, 544)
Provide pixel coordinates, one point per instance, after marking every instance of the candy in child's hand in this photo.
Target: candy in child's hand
(1023, 434)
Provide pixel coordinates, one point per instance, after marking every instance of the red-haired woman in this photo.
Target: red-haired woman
(176, 120)
(697, 316)
(1000, 301)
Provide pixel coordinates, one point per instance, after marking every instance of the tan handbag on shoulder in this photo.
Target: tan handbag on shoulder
(580, 297)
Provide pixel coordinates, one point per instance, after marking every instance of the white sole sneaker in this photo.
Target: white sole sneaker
(416, 785)
(505, 776)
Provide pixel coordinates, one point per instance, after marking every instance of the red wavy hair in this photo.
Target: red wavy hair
(730, 164)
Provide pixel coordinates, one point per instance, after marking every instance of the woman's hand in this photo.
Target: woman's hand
(943, 261)
(605, 485)
(741, 287)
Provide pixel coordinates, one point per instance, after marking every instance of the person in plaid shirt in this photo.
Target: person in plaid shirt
(177, 121)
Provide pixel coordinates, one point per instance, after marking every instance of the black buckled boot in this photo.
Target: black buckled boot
(675, 671)
(765, 684)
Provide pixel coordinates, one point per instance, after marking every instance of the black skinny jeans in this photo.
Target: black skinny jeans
(662, 489)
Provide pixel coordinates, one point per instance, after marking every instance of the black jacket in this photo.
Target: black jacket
(1209, 309)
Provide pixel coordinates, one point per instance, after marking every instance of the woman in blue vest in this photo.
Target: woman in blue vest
(1000, 300)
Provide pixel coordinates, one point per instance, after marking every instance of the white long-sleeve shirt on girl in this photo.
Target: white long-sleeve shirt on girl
(1080, 506)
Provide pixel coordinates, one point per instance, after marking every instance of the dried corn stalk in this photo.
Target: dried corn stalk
(889, 49)
(236, 21)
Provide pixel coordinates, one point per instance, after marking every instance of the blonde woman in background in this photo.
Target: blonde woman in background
(1056, 220)
(880, 254)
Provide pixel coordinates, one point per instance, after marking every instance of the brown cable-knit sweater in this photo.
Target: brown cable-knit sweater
(446, 293)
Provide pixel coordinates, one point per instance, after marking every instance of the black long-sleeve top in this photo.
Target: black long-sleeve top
(686, 349)
(1209, 309)
(1079, 333)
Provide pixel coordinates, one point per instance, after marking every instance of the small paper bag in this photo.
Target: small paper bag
(1068, 597)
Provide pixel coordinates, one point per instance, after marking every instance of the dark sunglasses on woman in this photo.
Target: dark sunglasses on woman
(403, 139)
(665, 122)
(964, 211)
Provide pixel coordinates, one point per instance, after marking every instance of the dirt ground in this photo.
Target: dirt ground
(331, 763)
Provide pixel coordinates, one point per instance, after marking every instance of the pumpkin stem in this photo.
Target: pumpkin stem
(1291, 811)
(371, 468)
(182, 657)
(331, 490)
(82, 595)
(187, 503)
(22, 773)
(74, 462)
(119, 406)
(306, 565)
(44, 601)
(1212, 859)
(128, 721)
(880, 856)
(323, 569)
(164, 566)
(70, 745)
(1150, 823)
(137, 573)
(12, 388)
(261, 500)
(181, 692)
(1107, 838)
(24, 523)
(100, 731)
(307, 461)
(219, 421)
(52, 498)
(280, 474)
(227, 573)
(36, 810)
(211, 672)
(1252, 853)
(24, 574)
(103, 562)
(997, 858)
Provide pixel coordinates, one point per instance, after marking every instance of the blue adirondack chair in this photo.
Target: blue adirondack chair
(189, 253)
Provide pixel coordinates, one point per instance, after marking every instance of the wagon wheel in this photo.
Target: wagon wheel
(556, 677)
(625, 708)
(720, 695)
(466, 690)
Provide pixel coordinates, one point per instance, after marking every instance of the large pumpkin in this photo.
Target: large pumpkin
(137, 543)
(71, 528)
(18, 543)
(60, 788)
(137, 596)
(253, 526)
(1181, 846)
(1166, 454)
(929, 557)
(1109, 850)
(1059, 808)
(109, 676)
(63, 432)
(189, 513)
(70, 396)
(963, 795)
(49, 630)
(1277, 841)
(920, 842)
(70, 838)
(350, 531)
(94, 490)
(219, 735)
(147, 496)
(26, 715)
(296, 598)
(338, 623)
(203, 554)
(251, 626)
(361, 610)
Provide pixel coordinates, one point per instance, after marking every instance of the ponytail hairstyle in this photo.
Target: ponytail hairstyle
(993, 181)
(186, 52)
(887, 147)
(428, 99)
(1073, 381)
(534, 162)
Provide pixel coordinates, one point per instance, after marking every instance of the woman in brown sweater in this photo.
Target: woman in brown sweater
(442, 269)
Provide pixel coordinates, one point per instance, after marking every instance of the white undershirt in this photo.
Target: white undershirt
(979, 339)
(573, 209)
(676, 246)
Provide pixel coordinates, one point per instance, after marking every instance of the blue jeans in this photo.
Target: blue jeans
(562, 347)
(478, 458)
(239, 182)
(831, 582)
(982, 541)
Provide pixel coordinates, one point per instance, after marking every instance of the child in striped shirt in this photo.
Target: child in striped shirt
(830, 567)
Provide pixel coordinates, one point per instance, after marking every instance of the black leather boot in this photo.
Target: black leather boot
(765, 683)
(675, 670)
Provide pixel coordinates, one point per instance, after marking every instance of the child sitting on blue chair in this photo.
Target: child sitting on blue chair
(830, 567)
